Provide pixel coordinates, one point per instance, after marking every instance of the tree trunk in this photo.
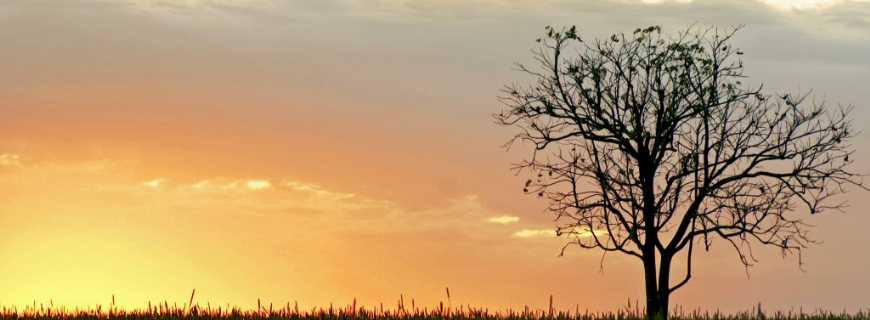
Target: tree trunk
(652, 293)
(656, 295)
(664, 287)
(657, 288)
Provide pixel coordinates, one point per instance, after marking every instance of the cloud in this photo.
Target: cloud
(10, 160)
(200, 4)
(535, 233)
(663, 1)
(258, 184)
(807, 4)
(287, 197)
(551, 233)
(467, 213)
(316, 190)
(227, 185)
(504, 219)
(46, 165)
(312, 204)
(202, 184)
(799, 5)
(156, 183)
(586, 233)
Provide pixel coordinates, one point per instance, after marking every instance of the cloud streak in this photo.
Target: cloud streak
(504, 219)
(802, 5)
(10, 160)
(535, 233)
(258, 184)
(578, 233)
(154, 184)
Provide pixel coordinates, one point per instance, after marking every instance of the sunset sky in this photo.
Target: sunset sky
(326, 150)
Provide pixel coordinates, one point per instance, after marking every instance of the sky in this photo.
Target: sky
(321, 151)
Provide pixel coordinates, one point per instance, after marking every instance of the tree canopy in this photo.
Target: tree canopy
(650, 144)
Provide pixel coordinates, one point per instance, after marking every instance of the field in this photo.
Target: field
(399, 312)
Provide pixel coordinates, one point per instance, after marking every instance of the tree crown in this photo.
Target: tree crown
(645, 143)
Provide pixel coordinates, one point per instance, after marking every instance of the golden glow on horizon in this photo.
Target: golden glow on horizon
(115, 233)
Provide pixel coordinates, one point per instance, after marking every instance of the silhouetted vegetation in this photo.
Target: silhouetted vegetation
(399, 312)
(651, 145)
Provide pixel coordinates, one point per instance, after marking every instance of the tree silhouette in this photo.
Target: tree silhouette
(648, 144)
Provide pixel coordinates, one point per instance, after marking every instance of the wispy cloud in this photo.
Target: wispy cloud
(799, 5)
(535, 233)
(227, 185)
(202, 184)
(337, 210)
(808, 4)
(10, 160)
(585, 233)
(317, 190)
(156, 183)
(201, 4)
(551, 233)
(504, 219)
(428, 7)
(258, 184)
(664, 1)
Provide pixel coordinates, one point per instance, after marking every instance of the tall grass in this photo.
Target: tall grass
(400, 311)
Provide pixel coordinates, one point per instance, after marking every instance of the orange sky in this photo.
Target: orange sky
(330, 150)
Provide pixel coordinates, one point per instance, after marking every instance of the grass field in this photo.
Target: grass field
(400, 311)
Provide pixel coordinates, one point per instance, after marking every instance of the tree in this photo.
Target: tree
(647, 144)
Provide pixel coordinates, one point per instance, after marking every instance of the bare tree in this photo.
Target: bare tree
(647, 144)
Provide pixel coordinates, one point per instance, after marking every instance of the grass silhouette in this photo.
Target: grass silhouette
(400, 311)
